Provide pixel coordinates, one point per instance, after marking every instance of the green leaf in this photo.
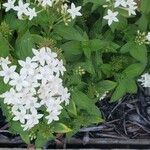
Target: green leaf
(83, 102)
(96, 44)
(41, 139)
(143, 22)
(86, 49)
(4, 47)
(36, 38)
(144, 6)
(60, 128)
(24, 45)
(72, 50)
(68, 33)
(72, 107)
(127, 47)
(131, 86)
(119, 91)
(139, 52)
(16, 24)
(134, 70)
(106, 69)
(107, 85)
(25, 137)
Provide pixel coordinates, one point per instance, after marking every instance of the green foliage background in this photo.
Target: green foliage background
(98, 58)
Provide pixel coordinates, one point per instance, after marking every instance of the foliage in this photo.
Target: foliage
(98, 58)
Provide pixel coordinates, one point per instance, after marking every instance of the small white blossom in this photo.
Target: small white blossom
(111, 17)
(21, 9)
(31, 13)
(53, 116)
(9, 5)
(7, 73)
(4, 61)
(28, 67)
(120, 3)
(46, 3)
(20, 116)
(74, 11)
(19, 82)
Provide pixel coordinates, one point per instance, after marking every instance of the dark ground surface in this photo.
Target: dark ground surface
(127, 126)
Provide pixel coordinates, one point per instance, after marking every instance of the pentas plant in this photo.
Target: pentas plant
(104, 46)
(112, 14)
(31, 10)
(37, 85)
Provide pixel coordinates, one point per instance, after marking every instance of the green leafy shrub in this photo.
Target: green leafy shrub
(104, 50)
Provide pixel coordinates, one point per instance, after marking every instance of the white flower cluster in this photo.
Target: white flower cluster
(129, 5)
(145, 80)
(23, 9)
(37, 91)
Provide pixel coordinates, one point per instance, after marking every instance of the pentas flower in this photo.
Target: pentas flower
(46, 3)
(9, 5)
(21, 9)
(38, 84)
(74, 11)
(7, 72)
(31, 13)
(129, 5)
(120, 3)
(4, 61)
(111, 17)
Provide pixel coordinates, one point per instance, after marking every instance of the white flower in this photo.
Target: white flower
(9, 5)
(19, 82)
(31, 13)
(131, 7)
(145, 80)
(10, 96)
(4, 61)
(148, 36)
(53, 116)
(21, 9)
(7, 73)
(74, 11)
(28, 67)
(111, 17)
(120, 3)
(46, 3)
(40, 56)
(65, 95)
(45, 74)
(20, 115)
(131, 10)
(33, 119)
(60, 67)
(130, 2)
(53, 104)
(32, 103)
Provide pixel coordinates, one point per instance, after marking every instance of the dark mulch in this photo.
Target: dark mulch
(127, 119)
